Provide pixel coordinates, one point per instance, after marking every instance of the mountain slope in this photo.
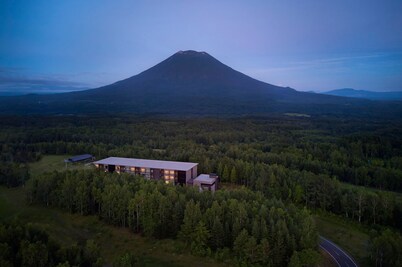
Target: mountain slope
(188, 83)
(349, 92)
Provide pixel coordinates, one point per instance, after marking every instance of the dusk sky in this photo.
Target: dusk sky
(307, 45)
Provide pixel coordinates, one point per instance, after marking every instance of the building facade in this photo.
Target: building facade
(174, 172)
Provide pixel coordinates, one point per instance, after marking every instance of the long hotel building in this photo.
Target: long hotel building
(170, 171)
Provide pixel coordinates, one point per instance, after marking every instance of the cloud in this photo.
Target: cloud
(30, 81)
(14, 81)
(375, 71)
(346, 64)
(336, 60)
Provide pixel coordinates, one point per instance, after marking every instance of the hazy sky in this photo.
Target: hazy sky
(308, 45)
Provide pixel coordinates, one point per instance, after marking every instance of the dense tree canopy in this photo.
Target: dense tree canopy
(347, 167)
(385, 249)
(25, 245)
(258, 230)
(354, 151)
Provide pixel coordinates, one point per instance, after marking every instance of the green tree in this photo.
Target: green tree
(199, 238)
(385, 249)
(295, 260)
(298, 194)
(256, 230)
(309, 232)
(64, 264)
(192, 217)
(226, 174)
(127, 260)
(5, 254)
(233, 175)
(33, 254)
(239, 245)
(264, 251)
(68, 188)
(81, 197)
(92, 254)
(251, 250)
(374, 203)
(217, 234)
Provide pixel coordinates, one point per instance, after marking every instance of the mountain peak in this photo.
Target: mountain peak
(190, 65)
(191, 52)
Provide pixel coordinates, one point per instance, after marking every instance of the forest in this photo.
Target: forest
(25, 245)
(258, 230)
(281, 167)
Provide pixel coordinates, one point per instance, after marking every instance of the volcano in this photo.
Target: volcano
(189, 83)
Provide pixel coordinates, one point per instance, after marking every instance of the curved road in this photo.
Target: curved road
(339, 256)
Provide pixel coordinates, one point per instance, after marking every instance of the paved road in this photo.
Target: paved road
(340, 256)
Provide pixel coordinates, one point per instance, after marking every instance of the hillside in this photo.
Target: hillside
(192, 83)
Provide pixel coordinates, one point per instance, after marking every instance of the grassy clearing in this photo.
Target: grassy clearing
(345, 234)
(72, 228)
(54, 163)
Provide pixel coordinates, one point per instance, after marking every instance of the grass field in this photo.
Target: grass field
(71, 228)
(345, 234)
(54, 162)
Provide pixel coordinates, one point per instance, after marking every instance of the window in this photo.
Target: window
(169, 179)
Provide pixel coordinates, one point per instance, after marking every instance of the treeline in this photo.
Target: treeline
(359, 152)
(28, 246)
(361, 204)
(240, 223)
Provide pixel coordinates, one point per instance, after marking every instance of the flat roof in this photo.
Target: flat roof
(205, 179)
(79, 158)
(148, 163)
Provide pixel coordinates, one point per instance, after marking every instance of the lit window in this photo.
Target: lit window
(171, 172)
(132, 169)
(142, 169)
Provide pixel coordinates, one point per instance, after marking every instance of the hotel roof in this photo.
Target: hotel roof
(148, 163)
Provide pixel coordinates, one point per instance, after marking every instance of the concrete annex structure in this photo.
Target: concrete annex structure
(206, 182)
(175, 172)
